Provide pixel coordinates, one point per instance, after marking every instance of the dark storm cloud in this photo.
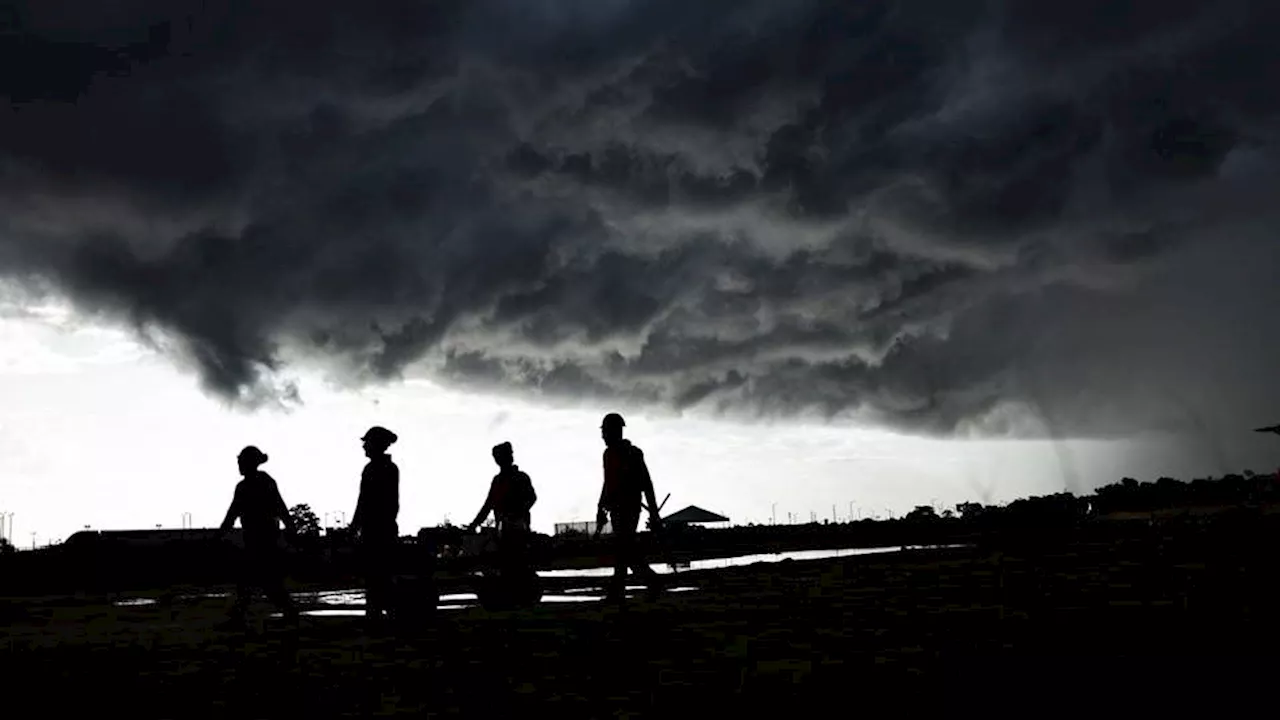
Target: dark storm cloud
(940, 216)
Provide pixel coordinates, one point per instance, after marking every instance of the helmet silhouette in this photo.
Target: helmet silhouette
(380, 435)
(613, 420)
(253, 455)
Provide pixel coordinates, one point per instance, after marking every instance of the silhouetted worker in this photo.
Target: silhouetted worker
(260, 509)
(511, 497)
(626, 481)
(375, 520)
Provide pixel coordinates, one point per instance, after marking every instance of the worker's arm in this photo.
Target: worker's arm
(362, 500)
(601, 515)
(282, 510)
(646, 482)
(389, 487)
(485, 509)
(533, 494)
(233, 512)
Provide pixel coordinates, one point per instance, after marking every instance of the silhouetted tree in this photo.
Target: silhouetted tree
(305, 521)
(6, 547)
(923, 512)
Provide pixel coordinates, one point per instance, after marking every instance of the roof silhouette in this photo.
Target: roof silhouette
(151, 535)
(693, 515)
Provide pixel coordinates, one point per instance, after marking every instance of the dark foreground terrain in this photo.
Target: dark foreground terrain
(1161, 621)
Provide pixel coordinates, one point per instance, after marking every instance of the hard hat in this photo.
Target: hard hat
(253, 454)
(380, 435)
(613, 420)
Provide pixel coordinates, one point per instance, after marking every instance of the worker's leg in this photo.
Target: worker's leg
(373, 600)
(378, 563)
(640, 566)
(624, 543)
(513, 546)
(519, 576)
(644, 572)
(273, 574)
(246, 584)
(240, 604)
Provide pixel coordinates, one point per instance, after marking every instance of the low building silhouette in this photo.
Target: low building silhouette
(153, 538)
(693, 515)
(582, 527)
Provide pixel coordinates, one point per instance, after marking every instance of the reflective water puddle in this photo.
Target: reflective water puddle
(355, 598)
(736, 561)
(134, 602)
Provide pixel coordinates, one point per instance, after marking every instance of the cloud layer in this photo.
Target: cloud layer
(933, 215)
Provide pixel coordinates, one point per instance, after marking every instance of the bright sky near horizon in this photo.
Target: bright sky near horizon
(97, 430)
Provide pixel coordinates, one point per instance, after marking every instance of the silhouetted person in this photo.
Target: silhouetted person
(511, 497)
(375, 520)
(626, 481)
(260, 509)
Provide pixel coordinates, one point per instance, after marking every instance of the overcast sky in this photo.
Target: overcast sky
(807, 246)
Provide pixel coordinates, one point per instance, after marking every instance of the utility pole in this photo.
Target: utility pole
(833, 513)
(851, 518)
(773, 515)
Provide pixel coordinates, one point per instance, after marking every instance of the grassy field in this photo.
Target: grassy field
(1147, 625)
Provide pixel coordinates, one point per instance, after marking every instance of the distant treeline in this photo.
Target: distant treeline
(968, 522)
(106, 562)
(1125, 497)
(1129, 495)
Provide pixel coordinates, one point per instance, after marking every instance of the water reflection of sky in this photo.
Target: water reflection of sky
(350, 602)
(462, 601)
(719, 563)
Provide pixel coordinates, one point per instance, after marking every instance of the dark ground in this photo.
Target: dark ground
(1155, 624)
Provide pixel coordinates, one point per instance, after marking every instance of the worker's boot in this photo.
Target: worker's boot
(654, 586)
(236, 621)
(616, 591)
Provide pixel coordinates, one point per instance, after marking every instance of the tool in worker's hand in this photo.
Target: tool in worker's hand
(660, 505)
(657, 529)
